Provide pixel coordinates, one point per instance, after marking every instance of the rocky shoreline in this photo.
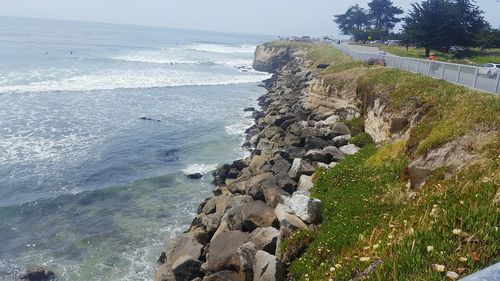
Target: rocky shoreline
(260, 200)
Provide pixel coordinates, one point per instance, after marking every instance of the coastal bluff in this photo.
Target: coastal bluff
(314, 132)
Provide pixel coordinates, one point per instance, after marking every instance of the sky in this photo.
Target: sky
(270, 17)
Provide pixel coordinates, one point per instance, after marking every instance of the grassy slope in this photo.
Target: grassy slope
(474, 56)
(367, 214)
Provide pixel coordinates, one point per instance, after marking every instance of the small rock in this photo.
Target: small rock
(452, 275)
(349, 149)
(38, 274)
(195, 176)
(249, 109)
(340, 129)
(438, 267)
(225, 275)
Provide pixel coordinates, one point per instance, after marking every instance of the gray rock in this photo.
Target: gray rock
(38, 274)
(288, 219)
(318, 155)
(315, 143)
(186, 268)
(265, 239)
(300, 167)
(268, 268)
(291, 140)
(246, 254)
(491, 273)
(340, 129)
(183, 244)
(305, 183)
(349, 149)
(281, 166)
(226, 275)
(335, 153)
(310, 132)
(222, 251)
(339, 141)
(275, 195)
(306, 208)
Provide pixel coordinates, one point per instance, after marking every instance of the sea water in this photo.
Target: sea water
(99, 125)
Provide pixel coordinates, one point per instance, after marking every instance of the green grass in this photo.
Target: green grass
(367, 217)
(361, 140)
(472, 56)
(367, 214)
(448, 111)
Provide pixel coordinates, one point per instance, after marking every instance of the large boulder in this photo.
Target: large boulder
(288, 219)
(265, 238)
(300, 167)
(315, 143)
(257, 214)
(275, 195)
(310, 132)
(306, 208)
(339, 129)
(186, 268)
(222, 251)
(268, 267)
(281, 166)
(38, 274)
(335, 153)
(180, 245)
(318, 155)
(339, 141)
(246, 254)
(305, 183)
(226, 275)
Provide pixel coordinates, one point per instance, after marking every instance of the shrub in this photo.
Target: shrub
(361, 140)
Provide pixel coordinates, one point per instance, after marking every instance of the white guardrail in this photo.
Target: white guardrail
(460, 74)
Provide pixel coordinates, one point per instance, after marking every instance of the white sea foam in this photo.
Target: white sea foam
(131, 79)
(199, 168)
(225, 49)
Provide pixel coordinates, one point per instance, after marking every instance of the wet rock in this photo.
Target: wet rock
(267, 267)
(349, 149)
(38, 274)
(300, 167)
(247, 109)
(288, 219)
(306, 208)
(195, 176)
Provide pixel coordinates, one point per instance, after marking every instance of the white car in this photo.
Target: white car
(490, 69)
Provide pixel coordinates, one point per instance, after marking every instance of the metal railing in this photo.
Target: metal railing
(460, 74)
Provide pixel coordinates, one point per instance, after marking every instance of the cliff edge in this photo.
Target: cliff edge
(356, 171)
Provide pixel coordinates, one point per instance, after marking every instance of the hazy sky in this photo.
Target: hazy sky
(274, 17)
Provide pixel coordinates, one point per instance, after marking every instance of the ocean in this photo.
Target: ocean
(99, 125)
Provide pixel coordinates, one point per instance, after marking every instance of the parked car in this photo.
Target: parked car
(393, 42)
(490, 69)
(456, 49)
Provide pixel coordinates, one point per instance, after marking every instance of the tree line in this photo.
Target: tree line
(431, 24)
